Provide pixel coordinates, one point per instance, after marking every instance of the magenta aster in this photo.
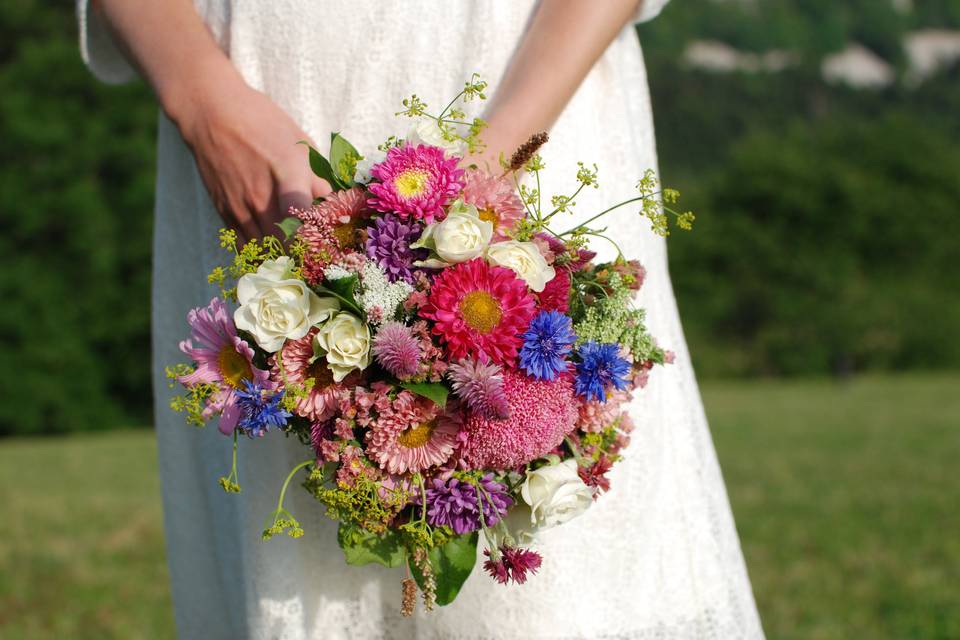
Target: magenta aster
(542, 412)
(479, 310)
(410, 435)
(415, 182)
(223, 359)
(496, 200)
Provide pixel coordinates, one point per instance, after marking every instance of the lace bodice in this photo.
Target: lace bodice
(657, 557)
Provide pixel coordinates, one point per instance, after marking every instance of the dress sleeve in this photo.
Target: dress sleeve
(98, 48)
(648, 10)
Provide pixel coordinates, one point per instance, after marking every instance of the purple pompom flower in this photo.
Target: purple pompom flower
(457, 504)
(388, 244)
(397, 350)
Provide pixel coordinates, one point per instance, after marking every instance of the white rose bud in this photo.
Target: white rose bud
(427, 132)
(525, 260)
(555, 494)
(459, 237)
(345, 340)
(276, 306)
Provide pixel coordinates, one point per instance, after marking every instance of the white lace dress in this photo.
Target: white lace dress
(657, 557)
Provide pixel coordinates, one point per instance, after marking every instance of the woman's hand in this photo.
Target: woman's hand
(245, 145)
(247, 153)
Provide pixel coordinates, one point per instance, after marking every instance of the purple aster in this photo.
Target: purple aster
(480, 385)
(456, 504)
(397, 350)
(600, 367)
(388, 244)
(546, 343)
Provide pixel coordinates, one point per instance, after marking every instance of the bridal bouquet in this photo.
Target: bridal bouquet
(450, 360)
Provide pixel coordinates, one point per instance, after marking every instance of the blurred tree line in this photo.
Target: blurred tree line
(826, 238)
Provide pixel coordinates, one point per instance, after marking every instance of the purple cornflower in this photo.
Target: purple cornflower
(546, 343)
(512, 564)
(388, 244)
(480, 385)
(600, 367)
(456, 504)
(397, 350)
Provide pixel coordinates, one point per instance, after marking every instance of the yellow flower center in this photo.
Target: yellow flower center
(416, 437)
(481, 311)
(411, 182)
(234, 368)
(488, 215)
(344, 233)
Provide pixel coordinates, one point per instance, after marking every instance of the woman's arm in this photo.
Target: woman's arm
(564, 40)
(244, 144)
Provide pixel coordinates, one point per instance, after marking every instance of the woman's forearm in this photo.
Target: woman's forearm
(564, 40)
(171, 46)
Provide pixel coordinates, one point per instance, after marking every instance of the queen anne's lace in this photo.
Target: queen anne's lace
(656, 558)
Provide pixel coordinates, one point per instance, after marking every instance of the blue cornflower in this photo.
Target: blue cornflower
(548, 340)
(600, 366)
(259, 411)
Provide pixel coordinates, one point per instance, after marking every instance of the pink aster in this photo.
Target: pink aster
(223, 359)
(410, 435)
(541, 413)
(415, 182)
(479, 310)
(480, 385)
(321, 401)
(496, 199)
(329, 231)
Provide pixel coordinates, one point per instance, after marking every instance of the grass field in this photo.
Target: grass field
(846, 497)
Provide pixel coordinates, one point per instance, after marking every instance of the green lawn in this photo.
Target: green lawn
(846, 496)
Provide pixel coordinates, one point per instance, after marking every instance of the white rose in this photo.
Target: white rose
(555, 494)
(427, 132)
(276, 306)
(459, 237)
(525, 260)
(345, 340)
(362, 172)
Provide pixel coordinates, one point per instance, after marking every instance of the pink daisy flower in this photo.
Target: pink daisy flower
(479, 310)
(496, 200)
(410, 435)
(415, 182)
(223, 359)
(330, 231)
(322, 400)
(541, 414)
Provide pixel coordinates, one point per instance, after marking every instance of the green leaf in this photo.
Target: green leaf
(289, 226)
(431, 390)
(452, 564)
(342, 289)
(361, 547)
(343, 159)
(321, 167)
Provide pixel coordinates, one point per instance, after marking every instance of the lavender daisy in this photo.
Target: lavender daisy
(546, 343)
(388, 244)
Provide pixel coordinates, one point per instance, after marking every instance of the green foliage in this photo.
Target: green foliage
(76, 201)
(362, 547)
(452, 564)
(434, 391)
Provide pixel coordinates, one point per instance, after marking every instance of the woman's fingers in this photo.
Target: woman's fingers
(319, 187)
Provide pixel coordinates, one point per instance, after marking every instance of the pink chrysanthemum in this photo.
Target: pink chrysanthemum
(397, 350)
(480, 385)
(496, 200)
(541, 414)
(556, 294)
(596, 416)
(223, 359)
(320, 403)
(410, 435)
(329, 231)
(480, 310)
(415, 182)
